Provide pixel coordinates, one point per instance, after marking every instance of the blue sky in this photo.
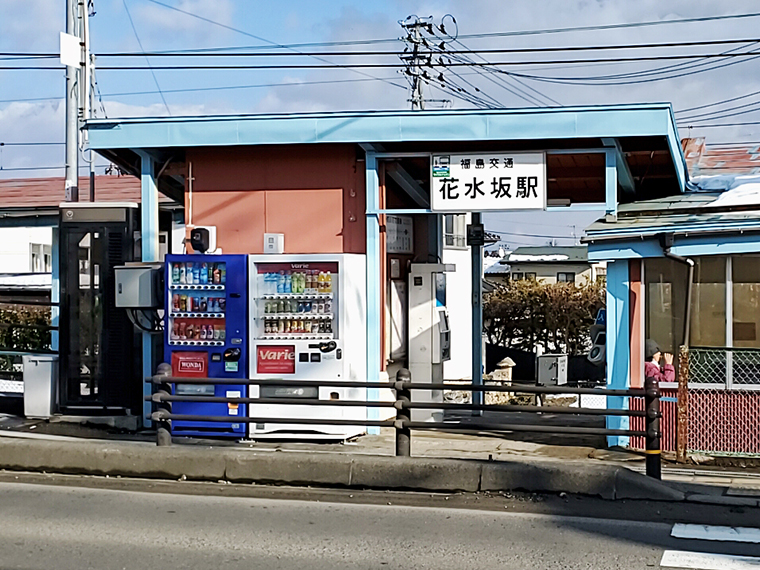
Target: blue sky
(31, 108)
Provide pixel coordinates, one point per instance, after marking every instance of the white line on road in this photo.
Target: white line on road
(722, 533)
(707, 561)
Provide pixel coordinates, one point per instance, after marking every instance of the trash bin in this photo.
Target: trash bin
(40, 381)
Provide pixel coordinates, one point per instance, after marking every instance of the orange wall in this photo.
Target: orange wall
(636, 320)
(314, 194)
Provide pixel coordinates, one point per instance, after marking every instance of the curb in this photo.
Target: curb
(126, 459)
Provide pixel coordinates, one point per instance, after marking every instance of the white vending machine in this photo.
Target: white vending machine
(307, 322)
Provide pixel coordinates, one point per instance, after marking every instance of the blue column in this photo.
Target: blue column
(610, 181)
(373, 286)
(618, 344)
(149, 240)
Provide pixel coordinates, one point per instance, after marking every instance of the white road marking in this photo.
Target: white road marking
(722, 533)
(707, 561)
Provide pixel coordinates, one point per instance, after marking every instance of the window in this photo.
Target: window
(40, 258)
(746, 305)
(455, 230)
(518, 276)
(665, 290)
(566, 277)
(708, 302)
(530, 276)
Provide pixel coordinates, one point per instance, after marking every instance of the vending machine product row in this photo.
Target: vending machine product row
(206, 337)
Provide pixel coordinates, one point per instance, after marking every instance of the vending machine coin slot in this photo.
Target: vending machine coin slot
(316, 357)
(303, 357)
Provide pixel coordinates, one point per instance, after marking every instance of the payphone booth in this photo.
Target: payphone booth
(429, 333)
(99, 371)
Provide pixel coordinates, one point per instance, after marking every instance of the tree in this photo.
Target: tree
(555, 316)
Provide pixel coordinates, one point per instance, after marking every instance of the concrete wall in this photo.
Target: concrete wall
(15, 251)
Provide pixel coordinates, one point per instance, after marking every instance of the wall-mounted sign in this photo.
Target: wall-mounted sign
(490, 181)
(399, 234)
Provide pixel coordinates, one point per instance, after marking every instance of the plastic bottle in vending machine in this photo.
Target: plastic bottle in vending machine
(181, 272)
(188, 273)
(281, 282)
(223, 275)
(175, 273)
(217, 274)
(321, 282)
(203, 332)
(328, 282)
(288, 282)
(204, 273)
(196, 273)
(175, 331)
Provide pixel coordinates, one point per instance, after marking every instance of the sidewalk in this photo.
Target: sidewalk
(441, 461)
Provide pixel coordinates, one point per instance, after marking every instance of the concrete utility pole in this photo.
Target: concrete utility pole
(413, 26)
(72, 106)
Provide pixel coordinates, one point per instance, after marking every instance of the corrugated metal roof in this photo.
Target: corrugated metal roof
(49, 192)
(705, 160)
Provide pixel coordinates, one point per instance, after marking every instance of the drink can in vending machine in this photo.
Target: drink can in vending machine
(175, 331)
(203, 332)
(175, 302)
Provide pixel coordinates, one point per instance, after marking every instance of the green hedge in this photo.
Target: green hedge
(555, 316)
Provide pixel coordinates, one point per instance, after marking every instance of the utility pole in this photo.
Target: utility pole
(413, 26)
(72, 106)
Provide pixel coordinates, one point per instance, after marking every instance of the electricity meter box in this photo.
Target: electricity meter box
(307, 322)
(552, 369)
(138, 285)
(206, 336)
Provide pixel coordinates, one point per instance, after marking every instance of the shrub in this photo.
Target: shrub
(555, 316)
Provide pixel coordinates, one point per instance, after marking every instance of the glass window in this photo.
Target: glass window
(566, 277)
(41, 258)
(665, 290)
(530, 276)
(518, 276)
(454, 230)
(708, 302)
(746, 305)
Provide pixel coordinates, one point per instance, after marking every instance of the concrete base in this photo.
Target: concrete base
(127, 423)
(145, 460)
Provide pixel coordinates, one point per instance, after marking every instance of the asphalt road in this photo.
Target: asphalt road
(69, 526)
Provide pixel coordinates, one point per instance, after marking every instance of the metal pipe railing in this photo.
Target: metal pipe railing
(404, 404)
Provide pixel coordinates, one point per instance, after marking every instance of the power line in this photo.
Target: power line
(611, 26)
(62, 167)
(259, 38)
(155, 79)
(752, 55)
(721, 125)
(423, 52)
(31, 143)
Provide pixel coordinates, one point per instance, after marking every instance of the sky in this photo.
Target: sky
(32, 109)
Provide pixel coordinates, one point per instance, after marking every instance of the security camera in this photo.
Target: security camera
(200, 239)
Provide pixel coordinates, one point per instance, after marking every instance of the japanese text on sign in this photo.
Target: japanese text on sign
(495, 181)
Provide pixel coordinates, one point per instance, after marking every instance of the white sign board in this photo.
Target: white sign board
(71, 50)
(399, 232)
(488, 181)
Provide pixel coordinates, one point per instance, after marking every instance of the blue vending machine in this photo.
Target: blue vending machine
(206, 337)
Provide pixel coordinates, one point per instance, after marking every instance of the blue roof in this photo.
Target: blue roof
(552, 123)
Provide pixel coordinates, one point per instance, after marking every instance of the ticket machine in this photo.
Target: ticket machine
(429, 333)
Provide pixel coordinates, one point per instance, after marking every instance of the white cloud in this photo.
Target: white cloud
(161, 21)
(31, 24)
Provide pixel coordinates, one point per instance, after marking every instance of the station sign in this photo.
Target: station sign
(488, 181)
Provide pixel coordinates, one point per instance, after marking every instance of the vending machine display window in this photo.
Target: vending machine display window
(198, 304)
(296, 301)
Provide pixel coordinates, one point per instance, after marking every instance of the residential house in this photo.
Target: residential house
(550, 264)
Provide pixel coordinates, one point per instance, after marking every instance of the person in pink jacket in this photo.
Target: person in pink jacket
(652, 368)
